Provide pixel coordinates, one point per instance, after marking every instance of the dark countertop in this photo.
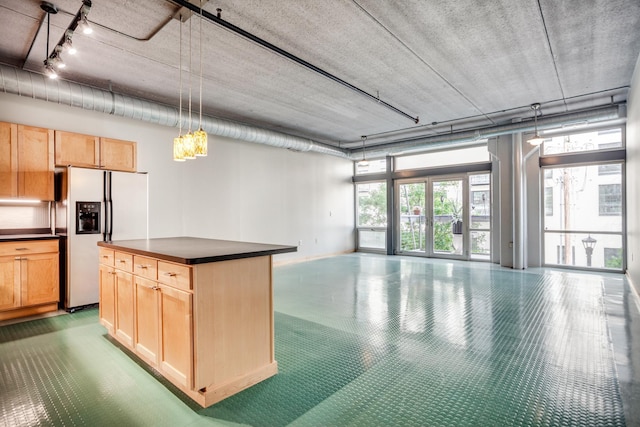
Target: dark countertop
(195, 250)
(18, 237)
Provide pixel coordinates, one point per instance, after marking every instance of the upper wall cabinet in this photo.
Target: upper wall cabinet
(77, 150)
(117, 155)
(91, 151)
(26, 162)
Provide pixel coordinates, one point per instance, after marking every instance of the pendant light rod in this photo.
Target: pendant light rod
(216, 19)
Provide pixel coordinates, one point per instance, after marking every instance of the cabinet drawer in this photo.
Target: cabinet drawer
(176, 275)
(145, 267)
(106, 256)
(124, 261)
(28, 247)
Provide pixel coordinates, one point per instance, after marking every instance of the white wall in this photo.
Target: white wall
(241, 191)
(633, 172)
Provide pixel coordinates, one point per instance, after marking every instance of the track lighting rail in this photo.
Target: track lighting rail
(217, 20)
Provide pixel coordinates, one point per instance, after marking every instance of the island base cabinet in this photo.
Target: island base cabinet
(107, 306)
(176, 349)
(147, 320)
(207, 328)
(124, 307)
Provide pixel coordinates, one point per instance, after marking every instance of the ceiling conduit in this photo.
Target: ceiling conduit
(613, 112)
(36, 86)
(32, 85)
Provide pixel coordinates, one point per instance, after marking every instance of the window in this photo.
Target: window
(612, 169)
(372, 215)
(548, 201)
(443, 158)
(586, 141)
(610, 199)
(613, 258)
(374, 166)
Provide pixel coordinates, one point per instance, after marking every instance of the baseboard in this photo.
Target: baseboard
(634, 291)
(305, 259)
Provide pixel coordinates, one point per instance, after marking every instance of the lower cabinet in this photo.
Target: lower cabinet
(147, 320)
(207, 328)
(176, 342)
(107, 306)
(29, 281)
(151, 318)
(125, 309)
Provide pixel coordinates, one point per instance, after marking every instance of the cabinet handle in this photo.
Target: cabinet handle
(19, 258)
(171, 274)
(121, 260)
(22, 249)
(143, 266)
(155, 288)
(105, 256)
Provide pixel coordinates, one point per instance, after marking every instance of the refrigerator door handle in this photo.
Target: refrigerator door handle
(110, 199)
(105, 201)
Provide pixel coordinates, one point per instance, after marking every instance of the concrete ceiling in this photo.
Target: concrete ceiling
(456, 65)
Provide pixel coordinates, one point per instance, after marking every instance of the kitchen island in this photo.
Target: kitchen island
(200, 311)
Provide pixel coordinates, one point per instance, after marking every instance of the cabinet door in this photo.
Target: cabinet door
(146, 320)
(176, 350)
(77, 150)
(117, 155)
(124, 307)
(8, 160)
(35, 163)
(9, 283)
(39, 279)
(107, 297)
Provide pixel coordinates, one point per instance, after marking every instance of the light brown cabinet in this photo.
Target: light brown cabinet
(77, 150)
(26, 162)
(118, 155)
(207, 328)
(152, 318)
(94, 152)
(29, 278)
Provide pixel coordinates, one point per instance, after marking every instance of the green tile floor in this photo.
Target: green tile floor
(367, 340)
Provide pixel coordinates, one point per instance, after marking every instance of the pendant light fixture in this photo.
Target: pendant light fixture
(200, 136)
(187, 140)
(537, 139)
(178, 146)
(364, 161)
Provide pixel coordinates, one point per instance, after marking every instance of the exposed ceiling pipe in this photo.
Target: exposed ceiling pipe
(37, 86)
(477, 136)
(218, 20)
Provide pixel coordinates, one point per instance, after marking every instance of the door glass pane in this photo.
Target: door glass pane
(412, 218)
(480, 212)
(447, 217)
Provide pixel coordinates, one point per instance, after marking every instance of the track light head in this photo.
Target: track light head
(49, 70)
(67, 45)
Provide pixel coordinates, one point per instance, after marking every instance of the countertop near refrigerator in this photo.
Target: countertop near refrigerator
(19, 237)
(194, 250)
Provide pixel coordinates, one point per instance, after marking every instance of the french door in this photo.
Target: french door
(444, 216)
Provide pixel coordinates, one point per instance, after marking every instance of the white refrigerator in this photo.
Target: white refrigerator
(94, 205)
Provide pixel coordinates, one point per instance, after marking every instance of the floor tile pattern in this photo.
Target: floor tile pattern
(361, 340)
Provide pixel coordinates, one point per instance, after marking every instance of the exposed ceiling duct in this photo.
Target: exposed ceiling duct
(36, 86)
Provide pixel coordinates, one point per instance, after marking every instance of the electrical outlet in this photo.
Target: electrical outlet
(299, 242)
